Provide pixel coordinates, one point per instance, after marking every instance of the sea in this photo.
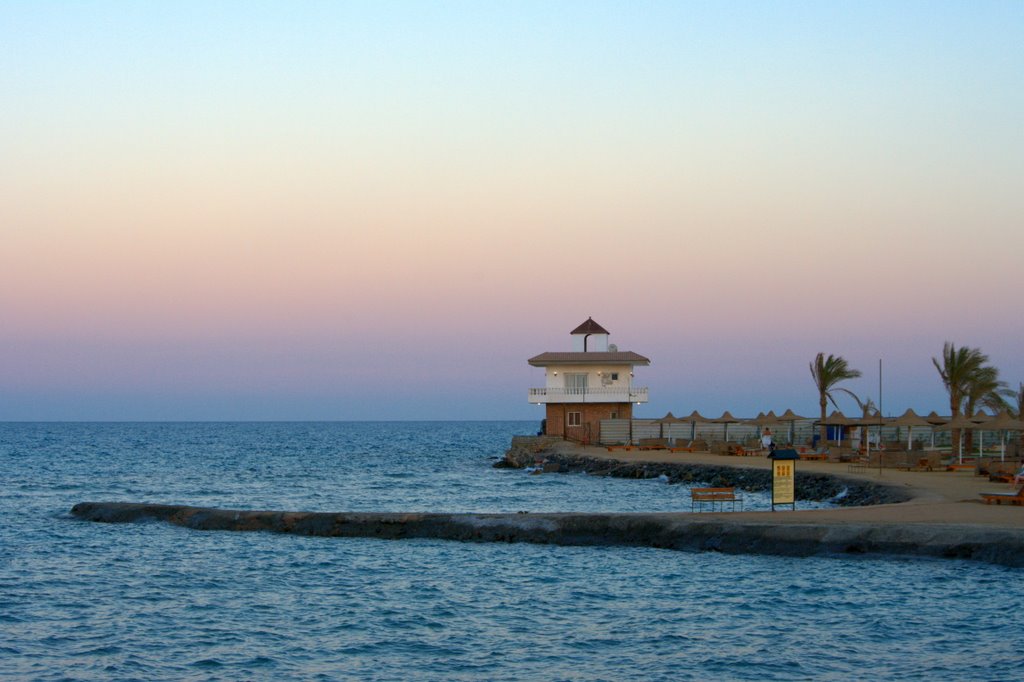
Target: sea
(152, 601)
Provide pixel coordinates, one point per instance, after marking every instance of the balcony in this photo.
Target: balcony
(588, 395)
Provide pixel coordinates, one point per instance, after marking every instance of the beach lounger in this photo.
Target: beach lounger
(959, 467)
(1013, 498)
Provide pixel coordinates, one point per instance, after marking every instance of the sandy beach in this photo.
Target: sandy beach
(939, 498)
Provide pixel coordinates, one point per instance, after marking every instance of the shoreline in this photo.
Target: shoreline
(941, 517)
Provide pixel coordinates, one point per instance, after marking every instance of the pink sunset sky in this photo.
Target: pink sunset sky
(381, 210)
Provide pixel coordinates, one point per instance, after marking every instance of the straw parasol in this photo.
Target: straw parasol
(669, 418)
(867, 421)
(769, 420)
(791, 417)
(726, 419)
(695, 418)
(763, 419)
(910, 419)
(981, 419)
(756, 421)
(958, 422)
(837, 418)
(934, 419)
(1004, 422)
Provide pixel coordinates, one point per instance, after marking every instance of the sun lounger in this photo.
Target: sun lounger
(999, 498)
(923, 464)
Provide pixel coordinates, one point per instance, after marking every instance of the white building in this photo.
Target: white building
(593, 381)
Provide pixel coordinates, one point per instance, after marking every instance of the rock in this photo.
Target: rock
(818, 487)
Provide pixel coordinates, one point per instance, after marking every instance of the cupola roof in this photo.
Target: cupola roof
(589, 327)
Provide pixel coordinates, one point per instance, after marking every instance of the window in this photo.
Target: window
(573, 419)
(615, 376)
(575, 384)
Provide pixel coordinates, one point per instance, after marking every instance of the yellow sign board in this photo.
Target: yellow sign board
(783, 475)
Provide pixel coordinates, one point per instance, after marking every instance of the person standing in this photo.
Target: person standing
(766, 440)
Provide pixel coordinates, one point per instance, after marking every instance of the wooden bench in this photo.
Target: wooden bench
(624, 446)
(1013, 498)
(653, 444)
(959, 467)
(715, 497)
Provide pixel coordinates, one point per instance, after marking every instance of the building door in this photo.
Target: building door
(575, 384)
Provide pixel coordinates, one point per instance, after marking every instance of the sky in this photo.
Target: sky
(381, 210)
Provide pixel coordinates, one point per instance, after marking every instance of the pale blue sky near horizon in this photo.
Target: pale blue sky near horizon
(380, 210)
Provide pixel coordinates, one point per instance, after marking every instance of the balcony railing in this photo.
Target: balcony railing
(588, 395)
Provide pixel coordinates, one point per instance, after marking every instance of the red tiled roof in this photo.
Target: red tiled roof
(589, 327)
(593, 358)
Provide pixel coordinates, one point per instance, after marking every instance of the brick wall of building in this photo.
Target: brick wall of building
(591, 415)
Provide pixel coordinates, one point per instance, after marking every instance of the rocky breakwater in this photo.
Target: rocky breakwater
(689, 532)
(844, 492)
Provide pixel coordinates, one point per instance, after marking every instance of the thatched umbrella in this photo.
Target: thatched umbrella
(981, 419)
(763, 421)
(756, 421)
(1004, 422)
(695, 418)
(958, 422)
(910, 419)
(669, 418)
(837, 418)
(791, 417)
(726, 419)
(934, 419)
(868, 421)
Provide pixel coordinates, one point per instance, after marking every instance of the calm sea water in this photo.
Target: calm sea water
(151, 601)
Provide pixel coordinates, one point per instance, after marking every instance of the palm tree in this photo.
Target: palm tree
(984, 389)
(960, 369)
(827, 372)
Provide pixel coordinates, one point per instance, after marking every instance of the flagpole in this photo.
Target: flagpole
(879, 417)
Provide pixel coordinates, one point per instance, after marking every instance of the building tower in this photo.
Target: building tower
(592, 382)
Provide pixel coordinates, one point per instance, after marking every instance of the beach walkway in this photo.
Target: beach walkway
(938, 497)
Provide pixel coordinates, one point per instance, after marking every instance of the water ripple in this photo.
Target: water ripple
(156, 602)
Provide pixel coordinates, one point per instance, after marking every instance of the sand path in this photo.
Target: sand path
(939, 497)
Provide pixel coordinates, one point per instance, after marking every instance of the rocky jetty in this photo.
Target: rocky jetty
(689, 532)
